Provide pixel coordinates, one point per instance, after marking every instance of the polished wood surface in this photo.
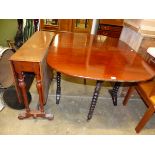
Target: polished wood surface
(34, 49)
(97, 57)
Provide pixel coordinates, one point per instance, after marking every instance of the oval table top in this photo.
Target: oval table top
(97, 57)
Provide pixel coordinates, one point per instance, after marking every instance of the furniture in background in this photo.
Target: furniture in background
(146, 90)
(26, 27)
(110, 27)
(95, 57)
(70, 25)
(107, 27)
(31, 58)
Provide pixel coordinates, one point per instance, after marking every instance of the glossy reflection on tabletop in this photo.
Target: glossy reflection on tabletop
(97, 57)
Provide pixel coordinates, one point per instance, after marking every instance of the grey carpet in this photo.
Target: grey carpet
(71, 114)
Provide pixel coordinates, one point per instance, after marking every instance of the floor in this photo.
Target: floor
(71, 114)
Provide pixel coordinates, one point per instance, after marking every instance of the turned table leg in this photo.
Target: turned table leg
(33, 113)
(39, 88)
(22, 86)
(94, 99)
(58, 91)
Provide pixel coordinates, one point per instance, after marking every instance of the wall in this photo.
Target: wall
(135, 23)
(8, 29)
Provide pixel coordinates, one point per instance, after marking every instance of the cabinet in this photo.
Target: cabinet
(81, 25)
(47, 24)
(72, 25)
(110, 27)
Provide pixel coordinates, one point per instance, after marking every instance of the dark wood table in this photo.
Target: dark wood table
(96, 57)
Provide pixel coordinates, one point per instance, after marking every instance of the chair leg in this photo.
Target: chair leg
(128, 95)
(145, 119)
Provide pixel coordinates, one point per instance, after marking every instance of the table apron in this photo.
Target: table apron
(26, 67)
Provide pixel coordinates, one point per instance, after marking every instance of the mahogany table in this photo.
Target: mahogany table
(96, 57)
(31, 58)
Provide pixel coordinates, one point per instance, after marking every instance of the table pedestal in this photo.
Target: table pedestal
(35, 114)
